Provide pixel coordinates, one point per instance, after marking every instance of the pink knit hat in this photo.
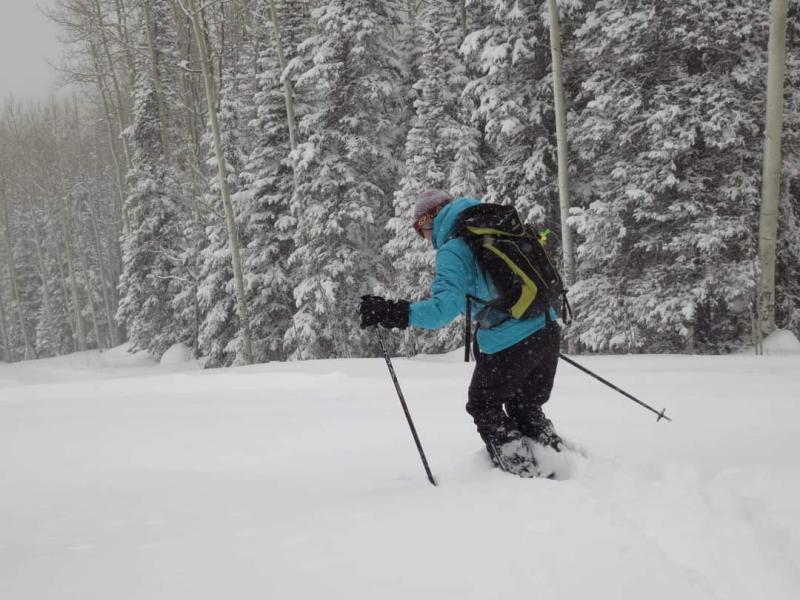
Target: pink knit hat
(428, 205)
(430, 201)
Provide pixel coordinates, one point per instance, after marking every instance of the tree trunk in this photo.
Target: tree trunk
(80, 334)
(12, 274)
(62, 277)
(4, 331)
(122, 121)
(46, 295)
(568, 250)
(122, 32)
(156, 76)
(193, 124)
(112, 327)
(119, 171)
(288, 93)
(770, 182)
(87, 286)
(222, 172)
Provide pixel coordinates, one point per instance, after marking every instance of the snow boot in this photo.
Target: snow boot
(541, 431)
(513, 453)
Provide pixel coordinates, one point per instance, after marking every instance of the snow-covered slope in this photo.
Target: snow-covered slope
(121, 478)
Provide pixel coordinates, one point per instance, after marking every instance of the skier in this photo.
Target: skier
(515, 360)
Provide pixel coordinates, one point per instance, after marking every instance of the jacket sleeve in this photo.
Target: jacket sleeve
(449, 289)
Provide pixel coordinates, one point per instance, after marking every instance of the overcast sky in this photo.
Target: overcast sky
(27, 41)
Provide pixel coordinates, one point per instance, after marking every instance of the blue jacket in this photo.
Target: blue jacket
(458, 274)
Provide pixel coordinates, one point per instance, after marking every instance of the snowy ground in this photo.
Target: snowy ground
(122, 479)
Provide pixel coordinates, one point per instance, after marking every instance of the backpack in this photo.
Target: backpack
(512, 254)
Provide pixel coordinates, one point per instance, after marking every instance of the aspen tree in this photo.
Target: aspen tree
(568, 250)
(233, 233)
(12, 273)
(4, 329)
(771, 173)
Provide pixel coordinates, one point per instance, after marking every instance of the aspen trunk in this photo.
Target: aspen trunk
(122, 32)
(770, 182)
(87, 286)
(121, 120)
(561, 137)
(62, 276)
(80, 334)
(4, 331)
(155, 73)
(222, 172)
(12, 274)
(46, 295)
(112, 328)
(288, 93)
(567, 248)
(192, 125)
(112, 141)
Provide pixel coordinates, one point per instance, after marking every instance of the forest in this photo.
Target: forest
(233, 175)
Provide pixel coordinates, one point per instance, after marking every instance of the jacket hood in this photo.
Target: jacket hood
(445, 221)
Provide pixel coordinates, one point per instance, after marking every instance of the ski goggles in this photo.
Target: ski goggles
(424, 222)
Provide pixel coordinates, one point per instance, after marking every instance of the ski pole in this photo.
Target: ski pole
(661, 414)
(468, 328)
(405, 409)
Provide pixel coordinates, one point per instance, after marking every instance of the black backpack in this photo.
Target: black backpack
(512, 254)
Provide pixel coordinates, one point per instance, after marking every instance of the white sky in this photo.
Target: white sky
(27, 41)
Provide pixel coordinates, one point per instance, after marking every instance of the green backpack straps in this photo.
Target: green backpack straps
(512, 254)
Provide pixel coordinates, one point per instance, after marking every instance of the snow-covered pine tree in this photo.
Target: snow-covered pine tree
(224, 149)
(18, 267)
(509, 51)
(53, 334)
(151, 275)
(431, 151)
(219, 330)
(267, 223)
(669, 149)
(5, 343)
(220, 338)
(771, 172)
(350, 72)
(787, 277)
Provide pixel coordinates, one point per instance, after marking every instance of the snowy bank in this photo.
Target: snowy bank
(781, 341)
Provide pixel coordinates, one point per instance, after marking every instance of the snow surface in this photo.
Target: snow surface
(121, 478)
(781, 341)
(176, 354)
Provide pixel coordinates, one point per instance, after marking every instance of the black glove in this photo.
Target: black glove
(375, 310)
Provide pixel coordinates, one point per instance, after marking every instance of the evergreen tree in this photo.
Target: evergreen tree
(669, 146)
(151, 277)
(510, 52)
(346, 172)
(53, 335)
(432, 149)
(268, 225)
(220, 338)
(787, 282)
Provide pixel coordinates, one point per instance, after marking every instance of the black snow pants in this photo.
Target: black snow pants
(509, 387)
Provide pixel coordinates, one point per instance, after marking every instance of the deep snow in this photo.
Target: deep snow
(122, 478)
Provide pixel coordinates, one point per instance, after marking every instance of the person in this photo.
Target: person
(516, 360)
